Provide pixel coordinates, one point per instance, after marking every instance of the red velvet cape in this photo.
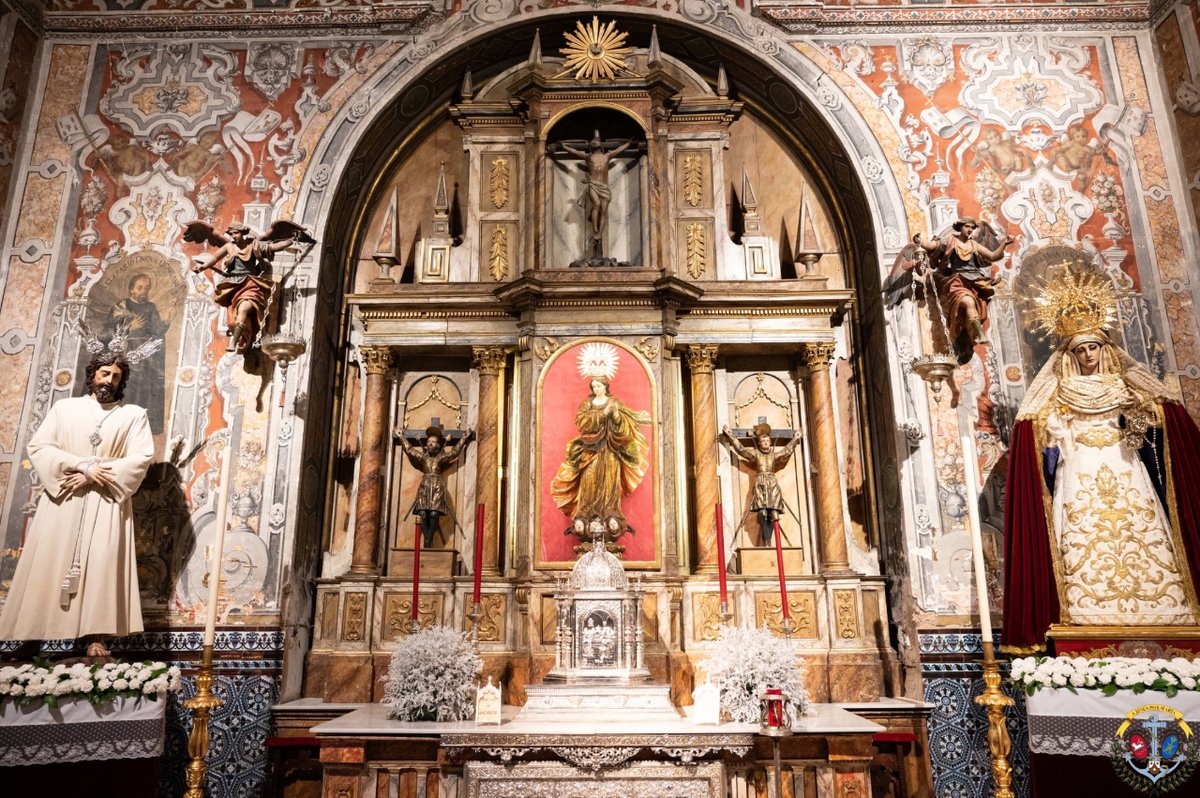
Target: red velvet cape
(1030, 593)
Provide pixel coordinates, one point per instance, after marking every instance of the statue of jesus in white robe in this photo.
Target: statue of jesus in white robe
(77, 575)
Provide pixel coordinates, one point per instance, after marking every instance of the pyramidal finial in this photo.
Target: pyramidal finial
(655, 54)
(748, 200)
(441, 203)
(535, 50)
(722, 81)
(468, 88)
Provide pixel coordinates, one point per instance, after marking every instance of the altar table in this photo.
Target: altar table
(364, 753)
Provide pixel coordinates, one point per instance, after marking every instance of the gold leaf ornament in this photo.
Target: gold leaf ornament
(498, 254)
(498, 182)
(693, 179)
(697, 249)
(595, 52)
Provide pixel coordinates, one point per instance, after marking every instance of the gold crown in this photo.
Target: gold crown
(1073, 302)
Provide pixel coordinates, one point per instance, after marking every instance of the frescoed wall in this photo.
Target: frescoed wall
(109, 144)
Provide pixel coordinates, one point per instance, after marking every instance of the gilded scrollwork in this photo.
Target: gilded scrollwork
(491, 618)
(354, 623)
(846, 613)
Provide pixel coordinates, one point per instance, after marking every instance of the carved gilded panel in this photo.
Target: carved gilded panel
(498, 250)
(354, 622)
(706, 616)
(801, 603)
(499, 174)
(493, 609)
(693, 179)
(397, 613)
(845, 613)
(694, 245)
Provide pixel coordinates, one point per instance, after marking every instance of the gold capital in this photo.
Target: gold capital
(817, 356)
(376, 359)
(702, 357)
(488, 359)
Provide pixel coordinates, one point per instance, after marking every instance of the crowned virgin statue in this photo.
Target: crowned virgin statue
(1102, 522)
(609, 457)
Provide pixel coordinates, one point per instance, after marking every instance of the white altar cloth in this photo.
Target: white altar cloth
(1084, 723)
(76, 731)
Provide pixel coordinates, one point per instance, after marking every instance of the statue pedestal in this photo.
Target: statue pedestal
(435, 563)
(762, 561)
(1150, 642)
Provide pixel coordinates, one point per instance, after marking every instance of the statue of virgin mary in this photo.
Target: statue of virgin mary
(1102, 522)
(608, 459)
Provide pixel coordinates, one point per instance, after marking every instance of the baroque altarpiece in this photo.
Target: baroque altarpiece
(551, 230)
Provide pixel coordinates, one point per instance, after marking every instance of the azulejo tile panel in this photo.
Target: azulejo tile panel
(958, 750)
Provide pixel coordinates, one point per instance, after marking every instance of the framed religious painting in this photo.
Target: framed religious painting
(597, 465)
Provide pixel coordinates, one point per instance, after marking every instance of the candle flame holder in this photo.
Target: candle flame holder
(935, 369)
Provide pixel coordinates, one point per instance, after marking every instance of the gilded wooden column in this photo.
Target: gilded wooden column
(701, 359)
(823, 440)
(368, 508)
(489, 360)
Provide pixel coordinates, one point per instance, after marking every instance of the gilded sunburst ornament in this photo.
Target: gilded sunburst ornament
(595, 52)
(1073, 302)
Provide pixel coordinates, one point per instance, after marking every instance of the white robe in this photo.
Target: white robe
(1118, 553)
(106, 602)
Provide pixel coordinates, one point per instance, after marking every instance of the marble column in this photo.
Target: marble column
(823, 442)
(701, 359)
(375, 436)
(489, 360)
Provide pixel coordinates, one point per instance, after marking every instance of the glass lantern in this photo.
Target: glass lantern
(775, 721)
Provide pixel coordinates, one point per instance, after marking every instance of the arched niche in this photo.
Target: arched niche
(766, 80)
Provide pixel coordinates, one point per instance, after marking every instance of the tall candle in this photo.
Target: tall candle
(721, 545)
(479, 513)
(416, 593)
(971, 467)
(218, 547)
(787, 614)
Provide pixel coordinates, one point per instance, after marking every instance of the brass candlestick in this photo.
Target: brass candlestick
(201, 705)
(996, 702)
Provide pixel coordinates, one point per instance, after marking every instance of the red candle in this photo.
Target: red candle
(721, 551)
(479, 513)
(416, 571)
(787, 614)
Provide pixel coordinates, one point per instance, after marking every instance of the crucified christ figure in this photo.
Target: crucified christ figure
(596, 161)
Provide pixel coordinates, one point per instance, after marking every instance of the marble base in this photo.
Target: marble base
(435, 563)
(597, 702)
(763, 562)
(855, 677)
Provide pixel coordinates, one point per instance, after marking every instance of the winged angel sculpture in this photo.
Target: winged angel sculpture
(954, 277)
(243, 261)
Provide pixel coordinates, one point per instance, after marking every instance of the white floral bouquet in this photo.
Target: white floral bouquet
(97, 684)
(1106, 675)
(432, 676)
(748, 662)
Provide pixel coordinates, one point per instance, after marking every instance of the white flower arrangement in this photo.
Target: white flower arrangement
(432, 676)
(97, 684)
(748, 662)
(1106, 675)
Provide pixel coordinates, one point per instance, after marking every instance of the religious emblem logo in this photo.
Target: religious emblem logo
(1154, 750)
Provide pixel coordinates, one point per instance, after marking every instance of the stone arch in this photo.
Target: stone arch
(775, 79)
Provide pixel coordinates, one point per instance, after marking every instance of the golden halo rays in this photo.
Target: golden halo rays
(595, 51)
